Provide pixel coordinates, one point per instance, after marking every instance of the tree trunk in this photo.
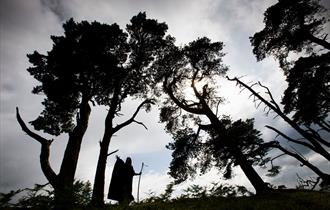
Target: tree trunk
(98, 187)
(63, 182)
(63, 196)
(99, 180)
(259, 185)
(64, 186)
(257, 182)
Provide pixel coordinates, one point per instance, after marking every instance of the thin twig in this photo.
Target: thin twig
(141, 123)
(113, 152)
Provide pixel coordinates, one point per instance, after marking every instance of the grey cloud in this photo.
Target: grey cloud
(24, 27)
(58, 7)
(18, 166)
(290, 172)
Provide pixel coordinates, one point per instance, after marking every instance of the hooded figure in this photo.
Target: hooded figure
(121, 182)
(115, 188)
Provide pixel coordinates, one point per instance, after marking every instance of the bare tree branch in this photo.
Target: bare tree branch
(169, 91)
(324, 126)
(289, 138)
(307, 183)
(272, 100)
(318, 41)
(205, 127)
(301, 159)
(132, 119)
(35, 136)
(274, 158)
(45, 151)
(113, 152)
(316, 182)
(141, 123)
(317, 146)
(318, 137)
(218, 103)
(326, 123)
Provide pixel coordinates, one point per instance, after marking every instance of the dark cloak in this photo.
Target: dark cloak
(120, 188)
(128, 182)
(117, 181)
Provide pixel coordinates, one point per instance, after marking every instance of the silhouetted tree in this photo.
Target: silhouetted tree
(293, 26)
(146, 38)
(298, 28)
(82, 67)
(193, 150)
(217, 140)
(311, 140)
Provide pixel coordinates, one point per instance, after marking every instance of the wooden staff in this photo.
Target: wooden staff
(138, 189)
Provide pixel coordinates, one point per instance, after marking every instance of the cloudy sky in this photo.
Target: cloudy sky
(27, 25)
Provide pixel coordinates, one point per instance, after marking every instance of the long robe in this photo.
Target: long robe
(117, 180)
(120, 188)
(128, 182)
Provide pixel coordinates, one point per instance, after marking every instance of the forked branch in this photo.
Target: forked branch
(298, 157)
(45, 150)
(273, 106)
(132, 119)
(168, 89)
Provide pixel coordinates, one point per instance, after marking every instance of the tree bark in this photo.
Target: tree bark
(63, 182)
(259, 185)
(98, 187)
(64, 188)
(99, 180)
(45, 151)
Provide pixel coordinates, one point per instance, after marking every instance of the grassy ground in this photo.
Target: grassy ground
(285, 200)
(278, 201)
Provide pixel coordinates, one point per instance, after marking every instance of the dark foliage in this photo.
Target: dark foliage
(245, 136)
(185, 148)
(146, 39)
(83, 67)
(309, 92)
(288, 27)
(42, 196)
(84, 63)
(203, 139)
(297, 26)
(192, 152)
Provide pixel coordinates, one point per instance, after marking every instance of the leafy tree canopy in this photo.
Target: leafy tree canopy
(193, 151)
(290, 25)
(82, 65)
(308, 89)
(190, 75)
(89, 63)
(298, 26)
